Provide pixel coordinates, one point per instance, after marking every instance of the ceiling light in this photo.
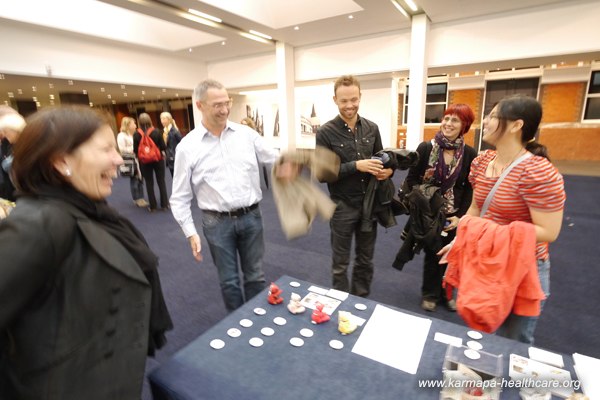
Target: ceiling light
(202, 21)
(20, 91)
(1, 76)
(164, 90)
(203, 15)
(102, 89)
(411, 4)
(122, 86)
(400, 8)
(109, 97)
(125, 94)
(223, 43)
(51, 97)
(34, 99)
(350, 16)
(190, 50)
(91, 104)
(260, 34)
(70, 82)
(254, 37)
(296, 28)
(143, 92)
(84, 91)
(11, 94)
(51, 85)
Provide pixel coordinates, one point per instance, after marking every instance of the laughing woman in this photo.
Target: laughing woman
(445, 162)
(81, 299)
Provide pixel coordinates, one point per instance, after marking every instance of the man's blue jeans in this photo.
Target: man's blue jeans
(229, 237)
(522, 328)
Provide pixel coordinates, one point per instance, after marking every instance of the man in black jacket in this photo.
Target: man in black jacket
(354, 139)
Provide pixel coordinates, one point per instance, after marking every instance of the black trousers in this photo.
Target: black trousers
(148, 172)
(345, 225)
(433, 272)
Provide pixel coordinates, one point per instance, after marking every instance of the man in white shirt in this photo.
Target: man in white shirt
(218, 163)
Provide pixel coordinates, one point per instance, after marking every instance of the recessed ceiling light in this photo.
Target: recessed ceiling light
(125, 94)
(102, 89)
(20, 91)
(11, 94)
(51, 97)
(223, 43)
(143, 92)
(91, 104)
(70, 82)
(34, 89)
(34, 98)
(350, 16)
(84, 91)
(122, 86)
(109, 97)
(51, 85)
(296, 28)
(190, 50)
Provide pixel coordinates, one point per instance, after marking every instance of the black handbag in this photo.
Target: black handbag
(128, 167)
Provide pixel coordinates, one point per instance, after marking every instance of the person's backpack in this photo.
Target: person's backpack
(148, 151)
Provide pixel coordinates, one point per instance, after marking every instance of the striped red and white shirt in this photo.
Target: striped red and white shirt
(534, 183)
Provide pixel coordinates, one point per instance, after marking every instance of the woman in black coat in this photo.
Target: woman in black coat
(172, 137)
(445, 162)
(81, 300)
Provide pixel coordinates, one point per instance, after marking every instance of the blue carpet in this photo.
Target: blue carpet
(569, 323)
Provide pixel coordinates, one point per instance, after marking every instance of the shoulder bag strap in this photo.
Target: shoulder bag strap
(490, 196)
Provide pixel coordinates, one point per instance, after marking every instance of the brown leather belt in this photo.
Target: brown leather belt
(234, 213)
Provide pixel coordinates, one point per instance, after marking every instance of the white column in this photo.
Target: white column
(284, 58)
(394, 114)
(417, 81)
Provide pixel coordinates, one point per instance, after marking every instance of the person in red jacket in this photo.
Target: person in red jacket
(533, 191)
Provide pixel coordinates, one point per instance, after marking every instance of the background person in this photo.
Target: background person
(172, 137)
(354, 139)
(218, 164)
(533, 191)
(81, 299)
(125, 143)
(11, 125)
(149, 170)
(444, 162)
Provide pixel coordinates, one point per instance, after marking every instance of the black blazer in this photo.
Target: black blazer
(75, 308)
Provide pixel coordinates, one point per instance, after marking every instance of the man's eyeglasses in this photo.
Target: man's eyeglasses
(218, 106)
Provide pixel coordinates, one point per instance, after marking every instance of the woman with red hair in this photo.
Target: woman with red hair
(444, 162)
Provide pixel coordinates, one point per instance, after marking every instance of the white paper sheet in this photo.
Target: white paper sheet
(394, 338)
(447, 339)
(587, 368)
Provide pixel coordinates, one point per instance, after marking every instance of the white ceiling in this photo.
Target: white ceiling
(166, 26)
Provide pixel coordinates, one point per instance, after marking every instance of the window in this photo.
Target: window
(435, 103)
(592, 102)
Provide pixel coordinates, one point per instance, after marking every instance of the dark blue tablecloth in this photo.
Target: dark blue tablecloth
(278, 370)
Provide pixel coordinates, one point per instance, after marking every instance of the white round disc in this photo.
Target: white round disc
(336, 344)
(234, 332)
(295, 284)
(472, 354)
(259, 311)
(256, 342)
(267, 331)
(279, 321)
(296, 341)
(306, 332)
(360, 306)
(246, 323)
(474, 335)
(217, 344)
(474, 345)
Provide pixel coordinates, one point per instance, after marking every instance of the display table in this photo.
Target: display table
(315, 370)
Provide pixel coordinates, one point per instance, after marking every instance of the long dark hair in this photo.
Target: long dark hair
(529, 110)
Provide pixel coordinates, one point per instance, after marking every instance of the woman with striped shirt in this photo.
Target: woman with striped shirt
(533, 191)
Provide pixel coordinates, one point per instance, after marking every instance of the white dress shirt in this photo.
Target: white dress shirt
(222, 172)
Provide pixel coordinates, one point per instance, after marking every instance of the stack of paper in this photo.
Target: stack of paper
(587, 369)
